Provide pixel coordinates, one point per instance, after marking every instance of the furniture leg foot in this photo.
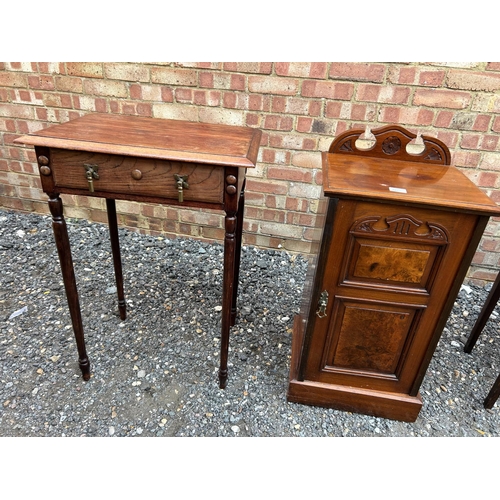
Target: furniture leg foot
(222, 379)
(85, 368)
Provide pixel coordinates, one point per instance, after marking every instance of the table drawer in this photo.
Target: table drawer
(137, 176)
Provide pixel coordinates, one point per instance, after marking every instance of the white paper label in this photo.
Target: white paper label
(397, 190)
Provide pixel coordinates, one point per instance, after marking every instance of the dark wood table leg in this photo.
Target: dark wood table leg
(117, 261)
(227, 293)
(68, 274)
(493, 394)
(228, 282)
(489, 305)
(237, 253)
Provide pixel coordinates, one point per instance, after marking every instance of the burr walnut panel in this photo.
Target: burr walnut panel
(398, 251)
(369, 337)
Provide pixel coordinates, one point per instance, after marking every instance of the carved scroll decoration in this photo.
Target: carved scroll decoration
(404, 226)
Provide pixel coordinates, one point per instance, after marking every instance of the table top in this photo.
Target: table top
(214, 144)
(388, 180)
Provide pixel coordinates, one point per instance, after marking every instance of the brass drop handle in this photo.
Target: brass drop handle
(91, 174)
(322, 304)
(182, 184)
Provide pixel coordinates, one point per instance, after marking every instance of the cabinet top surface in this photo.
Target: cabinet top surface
(403, 182)
(178, 140)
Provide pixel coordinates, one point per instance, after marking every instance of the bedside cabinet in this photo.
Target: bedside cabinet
(399, 230)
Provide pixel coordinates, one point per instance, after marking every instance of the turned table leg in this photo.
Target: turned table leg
(117, 262)
(237, 254)
(68, 274)
(227, 294)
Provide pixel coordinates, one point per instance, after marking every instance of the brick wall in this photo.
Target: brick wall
(299, 107)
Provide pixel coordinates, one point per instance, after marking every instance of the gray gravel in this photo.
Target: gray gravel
(155, 374)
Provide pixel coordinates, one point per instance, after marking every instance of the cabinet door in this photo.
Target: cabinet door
(387, 275)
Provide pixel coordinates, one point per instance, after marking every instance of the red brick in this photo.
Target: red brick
(53, 68)
(183, 95)
(410, 116)
(252, 120)
(238, 82)
(444, 118)
(449, 137)
(489, 142)
(43, 82)
(309, 144)
(493, 66)
(330, 90)
(304, 124)
(366, 72)
(466, 159)
(383, 93)
(296, 204)
(470, 141)
(259, 102)
(403, 75)
(273, 85)
(431, 78)
(301, 70)
(496, 124)
(167, 95)
(278, 122)
(206, 80)
(488, 179)
(289, 174)
(482, 123)
(266, 187)
(441, 98)
(207, 98)
(333, 109)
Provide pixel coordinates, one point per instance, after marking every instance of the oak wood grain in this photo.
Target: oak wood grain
(215, 144)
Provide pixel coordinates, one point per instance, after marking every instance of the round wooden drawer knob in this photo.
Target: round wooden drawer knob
(43, 160)
(231, 190)
(44, 170)
(231, 179)
(137, 175)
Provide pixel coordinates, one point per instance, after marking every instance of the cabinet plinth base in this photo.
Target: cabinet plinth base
(368, 402)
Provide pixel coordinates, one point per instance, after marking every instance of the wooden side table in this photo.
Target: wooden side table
(150, 160)
(400, 230)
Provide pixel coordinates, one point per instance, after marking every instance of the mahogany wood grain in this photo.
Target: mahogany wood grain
(403, 182)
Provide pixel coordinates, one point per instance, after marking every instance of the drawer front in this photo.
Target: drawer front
(137, 176)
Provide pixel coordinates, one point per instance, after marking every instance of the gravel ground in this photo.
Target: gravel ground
(155, 374)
